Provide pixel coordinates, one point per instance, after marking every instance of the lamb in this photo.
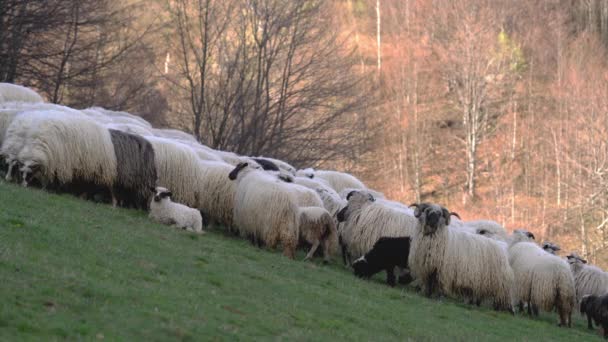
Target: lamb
(542, 280)
(551, 247)
(366, 220)
(386, 254)
(165, 211)
(588, 279)
(136, 169)
(318, 228)
(15, 93)
(337, 180)
(458, 263)
(265, 209)
(66, 149)
(596, 309)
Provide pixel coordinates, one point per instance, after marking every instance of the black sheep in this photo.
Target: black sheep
(596, 308)
(387, 253)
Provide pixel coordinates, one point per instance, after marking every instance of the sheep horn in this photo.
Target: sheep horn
(453, 213)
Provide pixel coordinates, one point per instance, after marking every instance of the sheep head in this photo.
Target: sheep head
(522, 235)
(161, 193)
(550, 247)
(431, 217)
(362, 268)
(356, 200)
(234, 173)
(309, 172)
(30, 170)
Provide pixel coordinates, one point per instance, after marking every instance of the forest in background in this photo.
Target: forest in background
(496, 109)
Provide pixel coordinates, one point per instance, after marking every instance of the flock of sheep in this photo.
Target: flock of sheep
(120, 158)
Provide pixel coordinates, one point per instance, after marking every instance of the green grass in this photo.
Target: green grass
(71, 269)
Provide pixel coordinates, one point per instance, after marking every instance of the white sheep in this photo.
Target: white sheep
(16, 93)
(318, 228)
(542, 280)
(337, 180)
(458, 263)
(165, 211)
(588, 279)
(215, 192)
(265, 209)
(366, 219)
(65, 148)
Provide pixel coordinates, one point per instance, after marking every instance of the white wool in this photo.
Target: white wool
(588, 279)
(344, 193)
(264, 208)
(466, 265)
(128, 128)
(337, 180)
(68, 147)
(318, 228)
(168, 212)
(232, 158)
(16, 93)
(177, 167)
(331, 200)
(367, 221)
(489, 227)
(118, 117)
(173, 134)
(215, 192)
(541, 279)
(303, 196)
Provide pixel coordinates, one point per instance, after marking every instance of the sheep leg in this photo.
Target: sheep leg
(344, 251)
(589, 323)
(430, 284)
(326, 252)
(312, 250)
(390, 276)
(9, 173)
(521, 306)
(535, 310)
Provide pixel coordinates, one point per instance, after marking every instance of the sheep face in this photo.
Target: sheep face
(310, 173)
(356, 200)
(285, 177)
(161, 193)
(550, 247)
(522, 235)
(432, 217)
(362, 268)
(29, 171)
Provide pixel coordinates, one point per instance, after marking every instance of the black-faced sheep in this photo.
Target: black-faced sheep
(458, 263)
(596, 309)
(165, 211)
(551, 247)
(542, 280)
(387, 253)
(588, 279)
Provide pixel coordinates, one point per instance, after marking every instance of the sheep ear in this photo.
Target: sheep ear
(453, 213)
(350, 194)
(584, 261)
(152, 189)
(447, 215)
(482, 232)
(530, 235)
(371, 197)
(169, 194)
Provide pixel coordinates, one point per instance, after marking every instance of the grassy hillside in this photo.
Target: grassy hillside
(73, 269)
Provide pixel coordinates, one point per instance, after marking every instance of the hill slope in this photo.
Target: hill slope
(74, 269)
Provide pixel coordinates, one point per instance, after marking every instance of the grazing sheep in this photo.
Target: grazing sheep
(318, 228)
(165, 211)
(15, 93)
(215, 192)
(365, 220)
(458, 263)
(588, 279)
(265, 209)
(551, 247)
(596, 309)
(542, 280)
(66, 149)
(136, 169)
(337, 180)
(177, 167)
(387, 253)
